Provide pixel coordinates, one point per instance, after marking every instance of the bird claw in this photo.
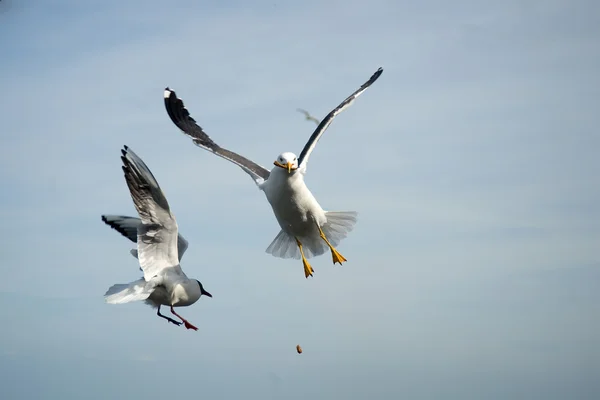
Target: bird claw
(337, 257)
(189, 326)
(171, 320)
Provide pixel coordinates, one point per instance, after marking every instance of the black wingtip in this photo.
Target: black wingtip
(377, 73)
(114, 225)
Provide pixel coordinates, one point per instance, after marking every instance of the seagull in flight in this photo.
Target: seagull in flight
(159, 247)
(306, 229)
(308, 116)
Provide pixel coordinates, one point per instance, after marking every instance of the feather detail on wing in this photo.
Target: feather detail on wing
(157, 234)
(128, 227)
(181, 117)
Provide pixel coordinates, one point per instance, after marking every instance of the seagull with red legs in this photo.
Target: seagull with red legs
(158, 247)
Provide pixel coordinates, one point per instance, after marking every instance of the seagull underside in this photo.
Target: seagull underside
(335, 255)
(159, 298)
(315, 234)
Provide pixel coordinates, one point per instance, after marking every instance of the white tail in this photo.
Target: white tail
(337, 227)
(127, 292)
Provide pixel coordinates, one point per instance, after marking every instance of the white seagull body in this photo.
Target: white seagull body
(159, 246)
(306, 229)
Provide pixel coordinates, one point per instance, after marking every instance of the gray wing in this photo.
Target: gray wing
(157, 234)
(128, 227)
(181, 117)
(312, 142)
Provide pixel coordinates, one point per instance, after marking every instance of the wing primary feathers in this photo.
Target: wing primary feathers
(314, 138)
(126, 226)
(157, 234)
(184, 121)
(142, 185)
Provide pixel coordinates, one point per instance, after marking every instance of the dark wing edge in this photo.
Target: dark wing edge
(157, 234)
(126, 226)
(184, 121)
(314, 138)
(148, 198)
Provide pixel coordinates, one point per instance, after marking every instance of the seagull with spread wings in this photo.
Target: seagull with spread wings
(306, 229)
(159, 247)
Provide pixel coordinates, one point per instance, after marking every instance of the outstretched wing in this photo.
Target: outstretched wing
(312, 142)
(128, 227)
(157, 234)
(181, 117)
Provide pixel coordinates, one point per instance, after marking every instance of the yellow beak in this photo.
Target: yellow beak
(289, 166)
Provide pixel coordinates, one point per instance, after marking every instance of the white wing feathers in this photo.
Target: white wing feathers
(157, 235)
(128, 227)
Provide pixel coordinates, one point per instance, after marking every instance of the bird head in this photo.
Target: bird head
(287, 161)
(202, 291)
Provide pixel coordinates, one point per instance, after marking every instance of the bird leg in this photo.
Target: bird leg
(335, 255)
(308, 270)
(185, 322)
(171, 320)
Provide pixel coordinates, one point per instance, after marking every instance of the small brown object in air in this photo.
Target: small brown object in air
(299, 349)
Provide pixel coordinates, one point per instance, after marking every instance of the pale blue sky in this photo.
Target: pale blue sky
(474, 269)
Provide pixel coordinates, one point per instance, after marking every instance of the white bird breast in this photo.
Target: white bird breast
(185, 293)
(294, 206)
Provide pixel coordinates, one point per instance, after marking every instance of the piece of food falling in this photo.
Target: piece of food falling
(299, 349)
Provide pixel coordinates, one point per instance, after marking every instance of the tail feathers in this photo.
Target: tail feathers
(127, 292)
(338, 225)
(336, 228)
(284, 246)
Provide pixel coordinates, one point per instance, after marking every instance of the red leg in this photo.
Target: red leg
(185, 322)
(171, 320)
